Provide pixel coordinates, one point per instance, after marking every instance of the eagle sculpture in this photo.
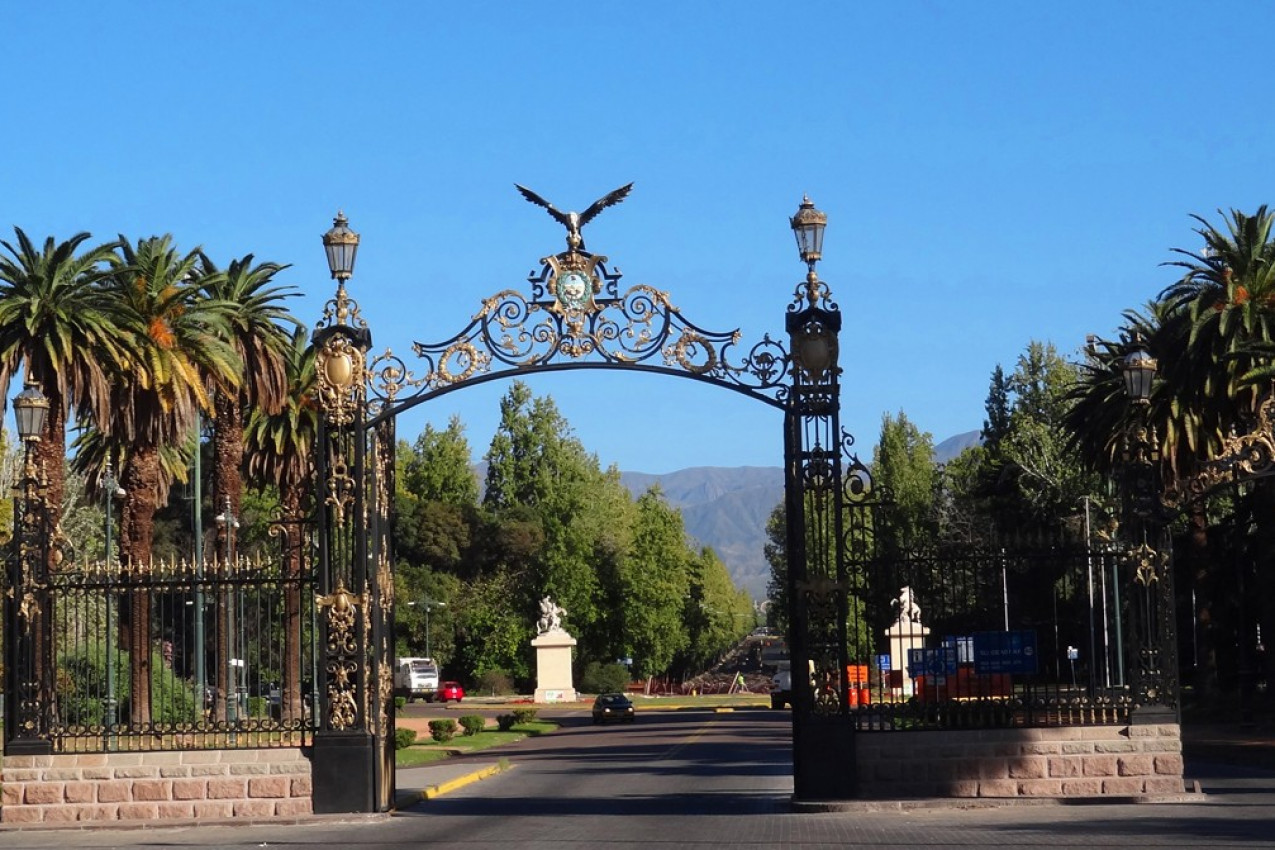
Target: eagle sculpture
(574, 221)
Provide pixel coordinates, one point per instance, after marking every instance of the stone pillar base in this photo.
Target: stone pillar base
(554, 682)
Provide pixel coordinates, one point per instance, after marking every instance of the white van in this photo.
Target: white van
(416, 677)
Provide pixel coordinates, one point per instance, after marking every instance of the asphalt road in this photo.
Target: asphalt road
(709, 780)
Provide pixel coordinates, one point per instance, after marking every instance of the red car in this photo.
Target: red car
(449, 691)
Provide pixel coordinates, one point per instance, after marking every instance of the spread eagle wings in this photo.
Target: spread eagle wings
(560, 217)
(608, 200)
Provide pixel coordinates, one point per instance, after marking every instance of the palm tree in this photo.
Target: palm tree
(255, 320)
(1213, 332)
(54, 317)
(1228, 290)
(180, 342)
(280, 452)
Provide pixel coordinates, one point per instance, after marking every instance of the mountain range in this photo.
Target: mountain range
(727, 508)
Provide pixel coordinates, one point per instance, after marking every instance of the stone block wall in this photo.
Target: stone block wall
(1072, 761)
(151, 786)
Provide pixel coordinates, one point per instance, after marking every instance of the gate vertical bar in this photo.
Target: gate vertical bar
(381, 646)
(823, 736)
(343, 759)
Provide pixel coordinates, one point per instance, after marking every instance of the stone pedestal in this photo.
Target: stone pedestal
(902, 637)
(553, 667)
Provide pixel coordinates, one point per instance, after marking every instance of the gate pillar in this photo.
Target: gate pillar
(343, 762)
(823, 736)
(28, 641)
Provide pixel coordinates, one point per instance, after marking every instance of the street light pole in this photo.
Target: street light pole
(428, 605)
(197, 523)
(111, 490)
(234, 616)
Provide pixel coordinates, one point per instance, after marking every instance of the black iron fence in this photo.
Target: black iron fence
(181, 656)
(967, 635)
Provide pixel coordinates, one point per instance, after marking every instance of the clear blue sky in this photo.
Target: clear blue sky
(993, 173)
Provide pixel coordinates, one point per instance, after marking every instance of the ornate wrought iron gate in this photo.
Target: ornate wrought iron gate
(575, 317)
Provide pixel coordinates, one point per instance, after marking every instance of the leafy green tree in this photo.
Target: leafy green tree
(610, 524)
(655, 582)
(491, 633)
(903, 467)
(717, 614)
(438, 467)
(538, 469)
(1049, 479)
(776, 552)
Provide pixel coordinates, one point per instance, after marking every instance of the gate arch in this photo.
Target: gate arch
(574, 317)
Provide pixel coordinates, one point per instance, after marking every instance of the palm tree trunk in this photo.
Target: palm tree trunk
(137, 525)
(227, 490)
(228, 453)
(1201, 571)
(294, 547)
(50, 453)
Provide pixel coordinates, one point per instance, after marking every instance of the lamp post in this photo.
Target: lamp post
(1138, 370)
(1152, 658)
(350, 620)
(817, 586)
(111, 490)
(235, 673)
(27, 646)
(428, 605)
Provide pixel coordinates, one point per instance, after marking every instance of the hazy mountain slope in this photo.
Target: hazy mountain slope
(953, 446)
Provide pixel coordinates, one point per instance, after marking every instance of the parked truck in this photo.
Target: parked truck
(781, 688)
(781, 684)
(416, 678)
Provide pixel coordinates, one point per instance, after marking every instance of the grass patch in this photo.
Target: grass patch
(427, 751)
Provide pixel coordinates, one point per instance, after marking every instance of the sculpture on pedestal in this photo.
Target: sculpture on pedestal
(909, 611)
(553, 655)
(551, 614)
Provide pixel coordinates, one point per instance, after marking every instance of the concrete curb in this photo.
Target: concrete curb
(922, 803)
(406, 799)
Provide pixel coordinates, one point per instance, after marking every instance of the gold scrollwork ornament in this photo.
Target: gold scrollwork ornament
(342, 610)
(341, 373)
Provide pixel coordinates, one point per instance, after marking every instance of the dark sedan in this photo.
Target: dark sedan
(608, 707)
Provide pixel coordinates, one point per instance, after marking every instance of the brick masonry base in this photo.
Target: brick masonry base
(1071, 762)
(152, 786)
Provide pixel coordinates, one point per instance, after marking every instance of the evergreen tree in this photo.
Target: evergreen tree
(996, 425)
(903, 467)
(655, 585)
(438, 467)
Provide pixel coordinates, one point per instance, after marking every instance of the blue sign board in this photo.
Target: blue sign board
(932, 663)
(883, 663)
(1005, 652)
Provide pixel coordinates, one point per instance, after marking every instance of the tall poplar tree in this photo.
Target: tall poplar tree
(656, 582)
